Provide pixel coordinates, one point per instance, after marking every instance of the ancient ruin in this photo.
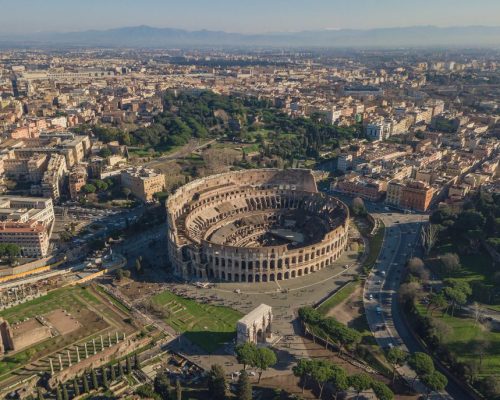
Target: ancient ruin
(254, 226)
(255, 327)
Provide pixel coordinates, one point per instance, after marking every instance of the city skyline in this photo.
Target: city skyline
(29, 16)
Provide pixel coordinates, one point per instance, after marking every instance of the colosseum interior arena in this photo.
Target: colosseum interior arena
(254, 226)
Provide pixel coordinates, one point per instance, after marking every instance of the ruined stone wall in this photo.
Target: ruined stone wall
(93, 361)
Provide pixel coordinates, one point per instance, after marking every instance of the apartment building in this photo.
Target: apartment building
(410, 194)
(143, 182)
(26, 222)
(77, 179)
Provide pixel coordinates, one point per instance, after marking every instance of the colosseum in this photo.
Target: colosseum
(254, 226)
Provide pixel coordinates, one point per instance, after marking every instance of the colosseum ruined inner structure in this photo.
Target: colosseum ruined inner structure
(254, 226)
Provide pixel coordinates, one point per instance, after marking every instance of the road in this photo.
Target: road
(383, 312)
(184, 151)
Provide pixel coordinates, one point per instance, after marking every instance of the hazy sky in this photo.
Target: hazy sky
(18, 16)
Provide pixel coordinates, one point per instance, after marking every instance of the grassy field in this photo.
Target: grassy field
(338, 297)
(464, 335)
(62, 298)
(206, 325)
(375, 244)
(474, 266)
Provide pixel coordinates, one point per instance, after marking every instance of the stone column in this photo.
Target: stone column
(51, 366)
(116, 334)
(86, 352)
(60, 363)
(102, 343)
(77, 354)
(93, 343)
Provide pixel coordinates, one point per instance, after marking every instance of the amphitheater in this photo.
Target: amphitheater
(254, 226)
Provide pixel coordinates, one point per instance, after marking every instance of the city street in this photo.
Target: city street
(401, 242)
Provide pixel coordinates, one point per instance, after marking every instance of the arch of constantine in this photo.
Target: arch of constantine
(255, 327)
(254, 226)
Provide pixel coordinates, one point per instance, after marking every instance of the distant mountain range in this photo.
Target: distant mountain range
(146, 36)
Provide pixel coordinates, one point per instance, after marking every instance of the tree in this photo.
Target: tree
(76, 386)
(126, 191)
(59, 393)
(119, 274)
(86, 387)
(338, 380)
(360, 382)
(440, 329)
(244, 387)
(10, 251)
(65, 393)
(303, 370)
(397, 357)
(382, 391)
(161, 385)
(113, 372)
(129, 365)
(408, 292)
(457, 292)
(436, 301)
(178, 390)
(95, 384)
(428, 236)
(358, 206)
(264, 359)
(89, 188)
(450, 262)
(490, 387)
(217, 383)
(421, 363)
(322, 372)
(138, 266)
(435, 381)
(416, 267)
(246, 354)
(104, 374)
(137, 362)
(481, 347)
(120, 369)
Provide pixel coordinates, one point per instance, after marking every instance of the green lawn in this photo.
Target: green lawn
(206, 325)
(474, 266)
(375, 244)
(338, 297)
(61, 298)
(461, 340)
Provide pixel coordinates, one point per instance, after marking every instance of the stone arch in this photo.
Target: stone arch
(280, 276)
(306, 270)
(236, 277)
(264, 277)
(250, 278)
(223, 275)
(271, 277)
(293, 274)
(257, 278)
(287, 275)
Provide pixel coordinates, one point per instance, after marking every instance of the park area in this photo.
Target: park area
(51, 323)
(207, 326)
